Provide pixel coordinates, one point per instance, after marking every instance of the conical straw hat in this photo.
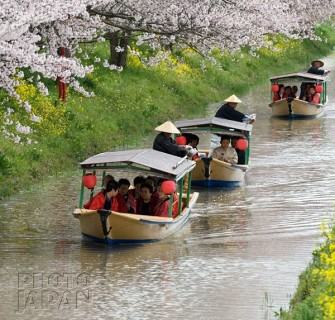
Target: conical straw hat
(168, 127)
(233, 99)
(321, 62)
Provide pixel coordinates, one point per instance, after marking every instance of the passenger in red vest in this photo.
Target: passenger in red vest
(146, 204)
(294, 92)
(153, 182)
(162, 207)
(287, 93)
(124, 199)
(314, 97)
(105, 199)
(135, 193)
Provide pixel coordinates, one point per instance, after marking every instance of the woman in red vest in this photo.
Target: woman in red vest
(105, 199)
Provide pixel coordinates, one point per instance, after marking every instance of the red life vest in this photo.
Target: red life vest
(162, 208)
(98, 202)
(316, 98)
(276, 97)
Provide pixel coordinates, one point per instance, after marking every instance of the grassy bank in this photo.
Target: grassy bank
(127, 105)
(315, 295)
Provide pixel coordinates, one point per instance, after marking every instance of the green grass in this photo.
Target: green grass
(128, 105)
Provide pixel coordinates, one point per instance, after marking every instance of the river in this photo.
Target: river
(239, 256)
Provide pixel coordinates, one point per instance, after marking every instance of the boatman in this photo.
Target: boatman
(164, 142)
(315, 68)
(228, 111)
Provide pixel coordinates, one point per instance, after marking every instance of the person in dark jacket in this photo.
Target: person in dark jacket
(315, 68)
(228, 110)
(164, 142)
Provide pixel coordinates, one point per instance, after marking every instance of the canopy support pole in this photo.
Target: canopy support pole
(189, 189)
(81, 196)
(170, 206)
(180, 204)
(92, 190)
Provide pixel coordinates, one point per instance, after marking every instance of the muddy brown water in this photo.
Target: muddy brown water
(239, 256)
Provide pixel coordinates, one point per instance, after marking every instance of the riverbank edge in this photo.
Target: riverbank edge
(314, 297)
(147, 97)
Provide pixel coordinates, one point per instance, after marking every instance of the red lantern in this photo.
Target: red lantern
(275, 88)
(89, 181)
(241, 144)
(318, 88)
(168, 187)
(181, 141)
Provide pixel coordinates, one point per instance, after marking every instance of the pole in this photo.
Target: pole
(81, 196)
(181, 187)
(189, 188)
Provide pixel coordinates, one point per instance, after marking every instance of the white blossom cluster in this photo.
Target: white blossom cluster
(31, 31)
(204, 24)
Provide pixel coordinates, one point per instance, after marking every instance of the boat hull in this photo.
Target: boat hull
(218, 174)
(296, 109)
(131, 228)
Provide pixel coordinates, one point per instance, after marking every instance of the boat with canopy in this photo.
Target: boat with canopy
(310, 101)
(119, 227)
(214, 173)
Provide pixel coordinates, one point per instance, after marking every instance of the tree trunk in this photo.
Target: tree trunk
(118, 40)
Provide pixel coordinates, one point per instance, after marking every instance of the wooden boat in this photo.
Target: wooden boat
(117, 227)
(213, 173)
(295, 108)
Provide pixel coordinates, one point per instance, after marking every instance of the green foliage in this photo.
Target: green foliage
(128, 105)
(314, 297)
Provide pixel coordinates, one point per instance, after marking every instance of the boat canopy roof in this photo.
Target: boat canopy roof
(300, 76)
(141, 160)
(214, 124)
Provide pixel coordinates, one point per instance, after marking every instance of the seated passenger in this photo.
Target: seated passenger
(105, 199)
(153, 182)
(145, 204)
(125, 201)
(287, 92)
(161, 208)
(192, 141)
(106, 179)
(314, 96)
(240, 153)
(278, 95)
(225, 152)
(135, 193)
(294, 92)
(307, 95)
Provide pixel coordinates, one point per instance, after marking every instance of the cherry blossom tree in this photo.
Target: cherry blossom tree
(202, 25)
(31, 31)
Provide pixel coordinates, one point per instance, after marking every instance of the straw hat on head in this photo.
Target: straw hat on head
(233, 99)
(321, 62)
(167, 127)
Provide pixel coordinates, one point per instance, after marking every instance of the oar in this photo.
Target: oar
(179, 162)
